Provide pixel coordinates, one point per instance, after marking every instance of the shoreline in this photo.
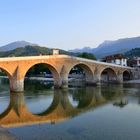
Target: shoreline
(6, 135)
(136, 81)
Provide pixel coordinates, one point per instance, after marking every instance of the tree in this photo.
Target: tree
(87, 55)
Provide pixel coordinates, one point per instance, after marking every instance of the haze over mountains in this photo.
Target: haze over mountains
(20, 48)
(16, 44)
(112, 47)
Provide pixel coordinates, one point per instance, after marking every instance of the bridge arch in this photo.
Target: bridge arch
(51, 68)
(126, 75)
(86, 71)
(108, 75)
(7, 73)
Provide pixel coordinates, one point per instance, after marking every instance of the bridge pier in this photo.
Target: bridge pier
(64, 77)
(120, 78)
(57, 83)
(89, 79)
(17, 81)
(17, 85)
(97, 79)
(64, 82)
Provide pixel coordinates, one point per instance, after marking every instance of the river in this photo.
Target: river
(107, 112)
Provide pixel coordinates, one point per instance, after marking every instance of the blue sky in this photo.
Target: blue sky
(68, 24)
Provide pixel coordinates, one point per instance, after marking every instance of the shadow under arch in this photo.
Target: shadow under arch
(52, 69)
(85, 71)
(6, 73)
(108, 75)
(127, 75)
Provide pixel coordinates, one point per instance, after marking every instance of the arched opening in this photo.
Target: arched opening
(39, 82)
(4, 89)
(41, 76)
(126, 76)
(108, 75)
(80, 75)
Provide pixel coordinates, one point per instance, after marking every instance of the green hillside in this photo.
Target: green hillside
(30, 51)
(133, 52)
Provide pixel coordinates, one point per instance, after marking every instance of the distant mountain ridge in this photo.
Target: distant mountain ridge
(113, 47)
(30, 51)
(85, 49)
(16, 44)
(104, 49)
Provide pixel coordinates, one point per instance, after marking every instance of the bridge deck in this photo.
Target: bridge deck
(26, 58)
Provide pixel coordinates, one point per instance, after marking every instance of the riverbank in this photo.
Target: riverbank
(6, 135)
(45, 79)
(137, 81)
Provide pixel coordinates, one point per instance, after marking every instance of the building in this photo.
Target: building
(136, 62)
(118, 59)
(55, 51)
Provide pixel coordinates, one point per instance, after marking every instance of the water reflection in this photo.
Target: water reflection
(86, 112)
(38, 104)
(4, 94)
(43, 105)
(121, 103)
(58, 105)
(4, 102)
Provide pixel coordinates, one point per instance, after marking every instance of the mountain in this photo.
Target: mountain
(118, 46)
(113, 47)
(104, 49)
(30, 51)
(15, 45)
(85, 49)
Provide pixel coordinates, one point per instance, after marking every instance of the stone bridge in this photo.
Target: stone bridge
(60, 67)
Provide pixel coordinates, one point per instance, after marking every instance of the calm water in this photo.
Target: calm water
(109, 112)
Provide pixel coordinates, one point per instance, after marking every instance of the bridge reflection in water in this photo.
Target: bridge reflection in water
(61, 108)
